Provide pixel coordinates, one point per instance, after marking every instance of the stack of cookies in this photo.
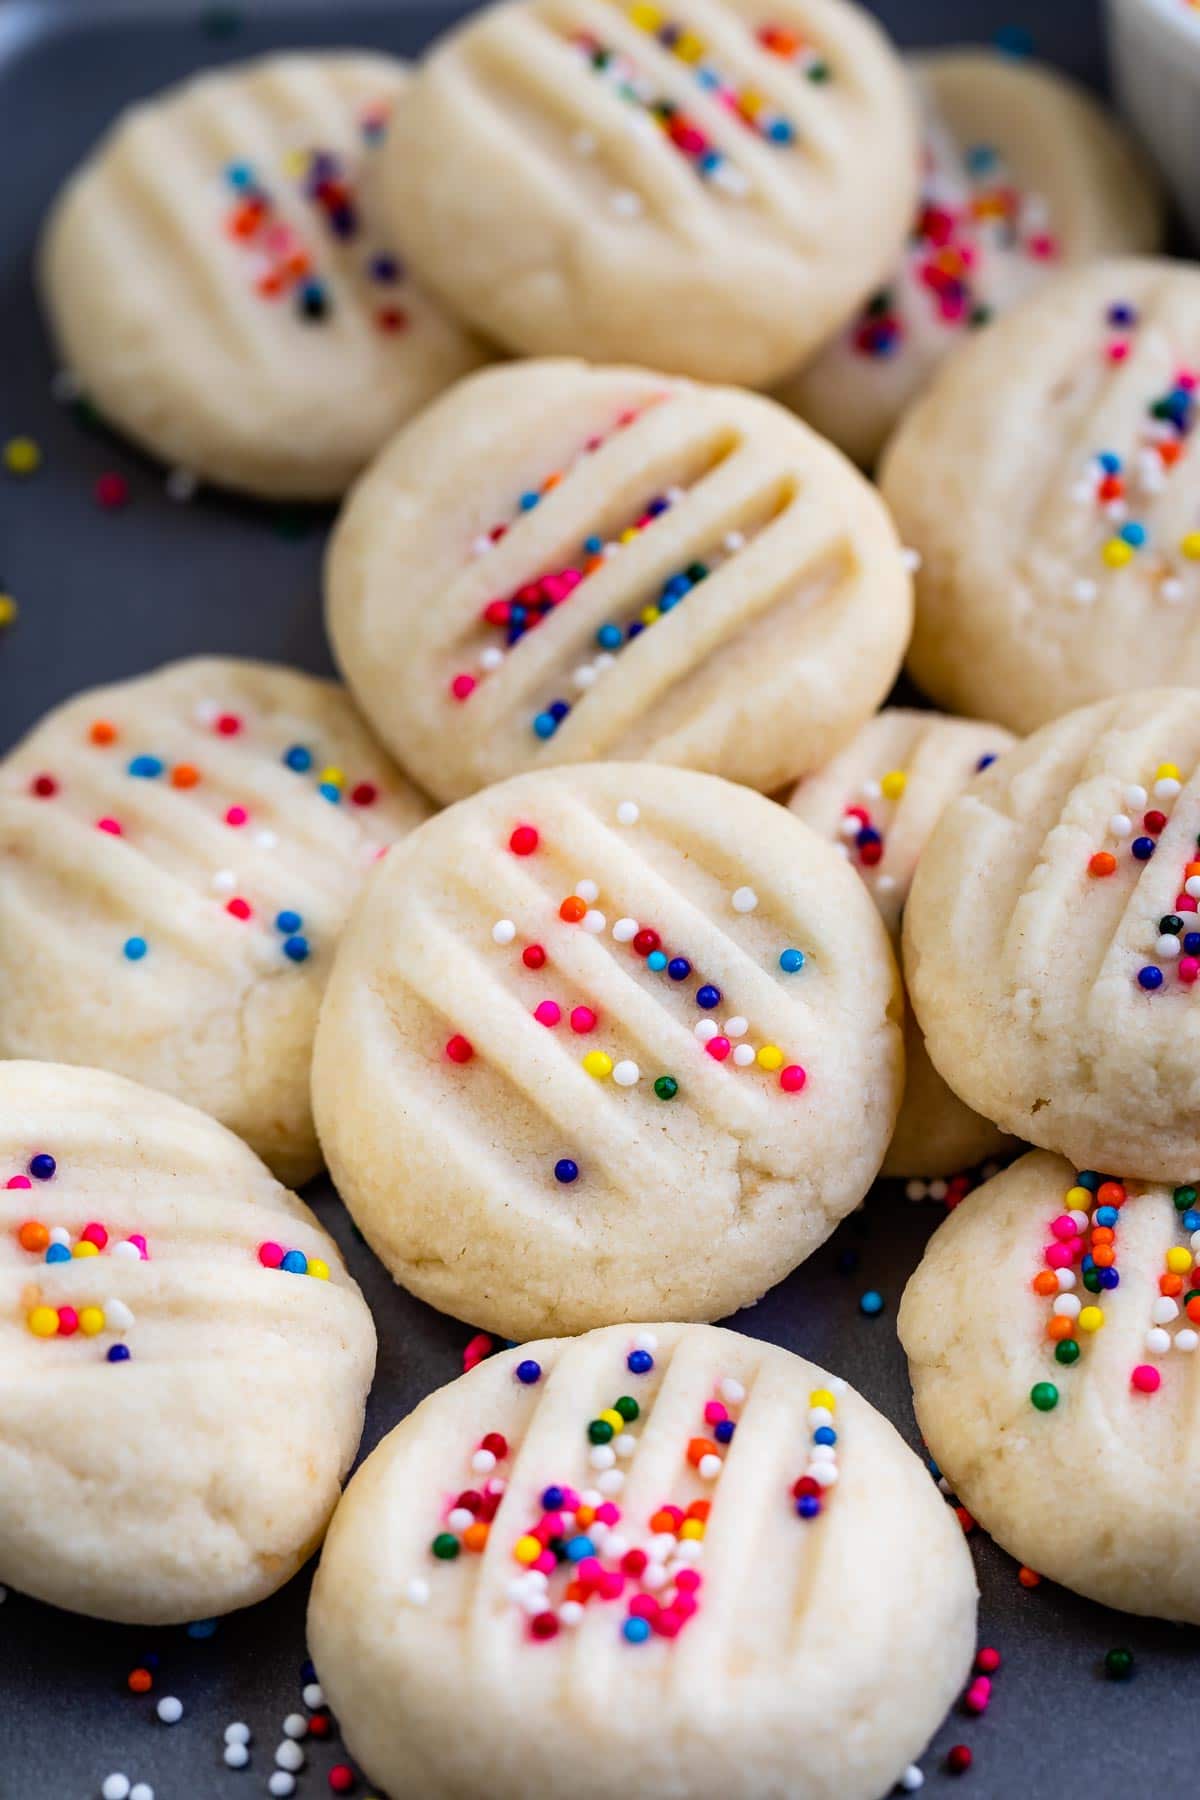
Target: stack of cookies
(601, 935)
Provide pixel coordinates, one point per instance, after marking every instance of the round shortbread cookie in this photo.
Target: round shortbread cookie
(177, 855)
(712, 585)
(879, 799)
(1024, 175)
(605, 1042)
(708, 189)
(760, 1594)
(1054, 1411)
(186, 1360)
(1049, 479)
(219, 281)
(1052, 942)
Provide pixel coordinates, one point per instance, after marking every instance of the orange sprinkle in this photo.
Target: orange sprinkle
(1193, 868)
(1170, 452)
(661, 1521)
(585, 1516)
(476, 1536)
(103, 732)
(1045, 1283)
(1112, 1193)
(1102, 1234)
(1192, 1309)
(572, 909)
(140, 1681)
(964, 1518)
(1170, 1285)
(1104, 1256)
(699, 1509)
(183, 775)
(1059, 1328)
(33, 1235)
(1028, 1578)
(1103, 863)
(699, 1448)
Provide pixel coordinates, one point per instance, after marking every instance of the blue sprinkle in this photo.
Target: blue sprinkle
(1089, 1179)
(708, 996)
(780, 132)
(639, 1362)
(240, 175)
(1134, 534)
(202, 1628)
(295, 1263)
(296, 949)
(1088, 1263)
(1109, 1278)
(710, 161)
(1191, 943)
(579, 1547)
(118, 1353)
(328, 791)
(42, 1167)
(58, 1253)
(791, 961)
(558, 710)
(384, 268)
(808, 1506)
(528, 501)
(609, 637)
(636, 1631)
(825, 1434)
(545, 725)
(593, 545)
(657, 961)
(1110, 462)
(980, 158)
(724, 1431)
(1143, 848)
(552, 1497)
(679, 968)
(135, 948)
(1191, 1221)
(528, 1374)
(565, 1170)
(1122, 314)
(146, 767)
(1106, 1215)
(871, 1304)
(1150, 978)
(288, 922)
(634, 630)
(985, 762)
(867, 836)
(298, 758)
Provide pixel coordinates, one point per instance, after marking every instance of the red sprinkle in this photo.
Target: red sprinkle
(111, 491)
(524, 841)
(533, 956)
(43, 787)
(959, 1759)
(481, 1345)
(460, 1049)
(341, 1778)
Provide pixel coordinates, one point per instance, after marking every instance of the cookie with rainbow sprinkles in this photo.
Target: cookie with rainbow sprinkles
(562, 563)
(706, 186)
(177, 855)
(222, 287)
(725, 1549)
(186, 1360)
(603, 1042)
(1058, 1393)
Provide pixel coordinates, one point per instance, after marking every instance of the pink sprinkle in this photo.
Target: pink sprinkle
(110, 825)
(237, 815)
(718, 1048)
(546, 1563)
(462, 686)
(547, 1012)
(643, 1606)
(792, 1079)
(1043, 246)
(583, 1019)
(270, 1255)
(135, 1237)
(239, 908)
(227, 725)
(68, 1321)
(608, 1514)
(668, 1623)
(1118, 350)
(1188, 968)
(612, 1584)
(685, 1605)
(715, 1413)
(1184, 903)
(688, 1581)
(19, 1181)
(1146, 1379)
(481, 1345)
(95, 1234)
(1063, 1226)
(1058, 1256)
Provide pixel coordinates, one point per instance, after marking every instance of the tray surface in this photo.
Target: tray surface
(107, 594)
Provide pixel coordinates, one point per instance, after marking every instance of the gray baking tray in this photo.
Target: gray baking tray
(108, 594)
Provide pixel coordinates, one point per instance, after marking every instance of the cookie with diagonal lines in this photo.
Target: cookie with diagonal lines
(661, 1560)
(1051, 1334)
(221, 284)
(177, 855)
(1049, 479)
(606, 1042)
(879, 799)
(185, 1359)
(1052, 939)
(706, 186)
(560, 563)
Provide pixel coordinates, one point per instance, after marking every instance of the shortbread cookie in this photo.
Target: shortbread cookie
(880, 799)
(708, 188)
(606, 1042)
(667, 1561)
(185, 1361)
(710, 583)
(1052, 940)
(1024, 175)
(1050, 480)
(177, 855)
(219, 279)
(1051, 1336)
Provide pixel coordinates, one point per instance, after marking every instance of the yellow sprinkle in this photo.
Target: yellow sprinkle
(1078, 1199)
(692, 1528)
(770, 1057)
(527, 1549)
(612, 1417)
(85, 1247)
(893, 784)
(688, 47)
(317, 1268)
(91, 1320)
(646, 18)
(627, 536)
(8, 610)
(750, 103)
(335, 777)
(598, 1064)
(295, 163)
(1117, 553)
(1189, 546)
(22, 456)
(1179, 1260)
(43, 1321)
(649, 614)
(822, 1397)
(1167, 772)
(1090, 1319)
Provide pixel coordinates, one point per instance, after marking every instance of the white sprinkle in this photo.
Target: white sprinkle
(503, 931)
(1186, 1339)
(207, 711)
(824, 1474)
(818, 1416)
(236, 1756)
(743, 1055)
(1171, 589)
(872, 790)
(626, 1074)
(911, 559)
(570, 1613)
(705, 1029)
(1158, 1341)
(115, 1787)
(1167, 788)
(59, 1234)
(1078, 1218)
(126, 1252)
(141, 1790)
(1164, 1310)
(912, 1779)
(117, 1316)
(737, 1026)
(281, 1784)
(1084, 592)
(732, 1392)
(611, 1482)
(937, 1189)
(169, 1709)
(1191, 887)
(732, 180)
(483, 1462)
(885, 883)
(1068, 1306)
(732, 542)
(593, 921)
(266, 840)
(850, 828)
(605, 660)
(491, 658)
(587, 890)
(914, 1190)
(646, 1340)
(1134, 798)
(628, 813)
(626, 204)
(625, 930)
(1168, 947)
(1066, 1280)
(654, 1576)
(584, 676)
(1120, 825)
(744, 900)
(289, 1755)
(708, 1468)
(457, 1520)
(480, 546)
(602, 1456)
(237, 1733)
(224, 880)
(626, 1445)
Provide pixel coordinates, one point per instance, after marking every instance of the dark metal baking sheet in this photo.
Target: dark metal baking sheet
(109, 594)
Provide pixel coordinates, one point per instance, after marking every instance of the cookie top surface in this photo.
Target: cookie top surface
(753, 1564)
(1049, 947)
(605, 1042)
(179, 1402)
(561, 563)
(707, 189)
(178, 853)
(219, 280)
(1023, 175)
(1058, 1393)
(1049, 479)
